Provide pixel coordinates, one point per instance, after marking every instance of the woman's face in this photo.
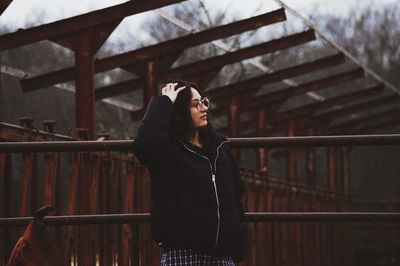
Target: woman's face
(199, 116)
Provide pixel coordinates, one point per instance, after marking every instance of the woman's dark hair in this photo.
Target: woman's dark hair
(182, 126)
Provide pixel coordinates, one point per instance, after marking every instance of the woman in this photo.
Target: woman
(197, 214)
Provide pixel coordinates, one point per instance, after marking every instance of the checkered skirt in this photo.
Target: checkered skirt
(177, 257)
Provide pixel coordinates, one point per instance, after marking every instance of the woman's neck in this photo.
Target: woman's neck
(196, 140)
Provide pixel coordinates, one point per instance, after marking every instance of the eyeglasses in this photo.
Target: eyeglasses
(200, 104)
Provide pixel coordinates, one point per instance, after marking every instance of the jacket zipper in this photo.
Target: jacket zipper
(214, 184)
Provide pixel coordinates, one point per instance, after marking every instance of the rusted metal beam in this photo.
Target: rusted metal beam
(305, 111)
(365, 217)
(157, 50)
(253, 84)
(363, 121)
(321, 120)
(214, 63)
(134, 84)
(35, 132)
(203, 80)
(282, 95)
(84, 21)
(123, 87)
(241, 54)
(3, 5)
(387, 123)
(100, 34)
(258, 142)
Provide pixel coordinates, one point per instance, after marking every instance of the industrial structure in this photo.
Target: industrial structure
(108, 181)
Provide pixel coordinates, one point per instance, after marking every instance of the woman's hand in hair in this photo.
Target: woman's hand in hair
(171, 91)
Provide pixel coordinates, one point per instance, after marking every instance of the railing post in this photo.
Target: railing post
(332, 169)
(262, 153)
(311, 175)
(292, 156)
(234, 123)
(345, 169)
(135, 244)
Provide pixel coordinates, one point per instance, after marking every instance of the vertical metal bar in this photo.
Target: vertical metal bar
(292, 155)
(311, 163)
(105, 246)
(256, 226)
(34, 184)
(307, 234)
(262, 156)
(84, 82)
(135, 244)
(93, 204)
(5, 188)
(112, 208)
(146, 230)
(281, 228)
(72, 206)
(297, 202)
(318, 229)
(129, 202)
(331, 169)
(344, 151)
(152, 80)
(251, 227)
(290, 236)
(119, 208)
(50, 178)
(270, 228)
(261, 241)
(26, 181)
(84, 242)
(234, 124)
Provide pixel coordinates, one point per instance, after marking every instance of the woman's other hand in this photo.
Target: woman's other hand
(171, 91)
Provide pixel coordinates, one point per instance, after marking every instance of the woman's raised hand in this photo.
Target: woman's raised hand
(171, 91)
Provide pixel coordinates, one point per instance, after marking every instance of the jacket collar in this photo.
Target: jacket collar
(212, 141)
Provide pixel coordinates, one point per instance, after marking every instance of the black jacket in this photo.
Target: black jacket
(196, 193)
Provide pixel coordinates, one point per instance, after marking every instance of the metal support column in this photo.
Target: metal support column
(84, 94)
(151, 87)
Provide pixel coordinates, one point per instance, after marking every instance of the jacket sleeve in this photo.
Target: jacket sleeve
(239, 187)
(154, 133)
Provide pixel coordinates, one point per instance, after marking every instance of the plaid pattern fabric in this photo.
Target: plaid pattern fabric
(177, 257)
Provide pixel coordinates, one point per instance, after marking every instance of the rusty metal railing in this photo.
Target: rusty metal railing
(361, 217)
(138, 218)
(135, 220)
(259, 142)
(36, 132)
